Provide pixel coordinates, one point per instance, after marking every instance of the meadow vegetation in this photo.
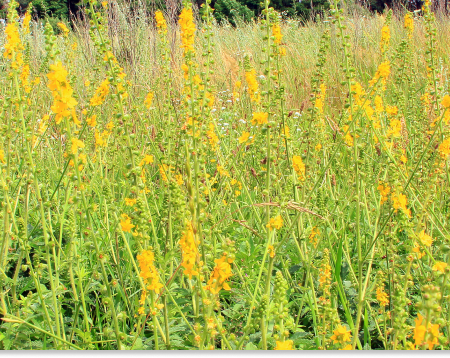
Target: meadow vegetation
(270, 185)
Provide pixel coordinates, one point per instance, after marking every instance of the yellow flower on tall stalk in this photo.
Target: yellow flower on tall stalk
(213, 139)
(13, 46)
(276, 33)
(161, 24)
(148, 271)
(382, 296)
(148, 100)
(100, 93)
(221, 273)
(409, 24)
(130, 202)
(299, 167)
(385, 37)
(189, 251)
(92, 121)
(188, 28)
(252, 85)
(26, 22)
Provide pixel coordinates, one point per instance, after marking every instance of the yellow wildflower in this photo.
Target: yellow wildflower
(189, 251)
(425, 239)
(382, 296)
(92, 121)
(399, 202)
(439, 266)
(148, 159)
(446, 101)
(188, 28)
(63, 28)
(148, 100)
(299, 167)
(341, 335)
(76, 143)
(275, 223)
(244, 137)
(444, 148)
(160, 22)
(409, 24)
(276, 33)
(221, 273)
(148, 271)
(252, 89)
(260, 118)
(284, 346)
(130, 202)
(126, 224)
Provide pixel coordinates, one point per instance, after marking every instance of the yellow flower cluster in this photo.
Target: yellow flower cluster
(260, 118)
(213, 139)
(148, 100)
(148, 271)
(409, 24)
(399, 202)
(284, 346)
(76, 143)
(341, 335)
(161, 24)
(63, 28)
(439, 266)
(276, 33)
(187, 25)
(100, 93)
(252, 83)
(384, 190)
(382, 296)
(13, 46)
(275, 223)
(126, 224)
(26, 22)
(244, 137)
(385, 37)
(63, 101)
(299, 167)
(320, 98)
(189, 251)
(425, 335)
(220, 274)
(313, 235)
(148, 159)
(444, 148)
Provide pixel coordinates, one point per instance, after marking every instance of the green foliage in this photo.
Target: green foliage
(55, 8)
(232, 11)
